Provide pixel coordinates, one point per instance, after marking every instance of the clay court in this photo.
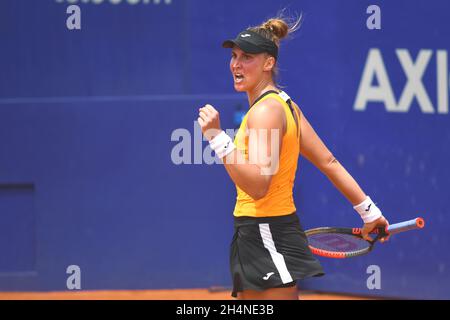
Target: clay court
(181, 294)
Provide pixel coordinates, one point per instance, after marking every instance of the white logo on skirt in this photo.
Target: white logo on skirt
(268, 275)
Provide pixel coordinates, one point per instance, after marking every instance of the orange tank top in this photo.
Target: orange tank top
(279, 200)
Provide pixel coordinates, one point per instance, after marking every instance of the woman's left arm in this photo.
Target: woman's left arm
(313, 149)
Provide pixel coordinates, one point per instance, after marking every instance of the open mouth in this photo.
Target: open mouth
(238, 77)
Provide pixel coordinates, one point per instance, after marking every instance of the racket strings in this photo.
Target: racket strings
(337, 242)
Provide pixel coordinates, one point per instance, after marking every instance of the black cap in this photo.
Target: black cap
(252, 42)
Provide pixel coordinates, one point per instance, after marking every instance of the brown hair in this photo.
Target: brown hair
(276, 29)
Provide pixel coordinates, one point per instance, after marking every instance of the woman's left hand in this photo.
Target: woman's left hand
(209, 121)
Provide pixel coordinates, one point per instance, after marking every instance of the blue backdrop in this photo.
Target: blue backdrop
(87, 118)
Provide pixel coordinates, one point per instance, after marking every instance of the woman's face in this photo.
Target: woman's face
(247, 69)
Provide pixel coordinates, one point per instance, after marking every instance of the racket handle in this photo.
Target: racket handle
(417, 223)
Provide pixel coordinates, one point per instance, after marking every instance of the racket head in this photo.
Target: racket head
(339, 243)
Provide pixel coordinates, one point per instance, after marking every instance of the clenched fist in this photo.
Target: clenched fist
(209, 121)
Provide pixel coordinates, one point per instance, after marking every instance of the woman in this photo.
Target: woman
(269, 252)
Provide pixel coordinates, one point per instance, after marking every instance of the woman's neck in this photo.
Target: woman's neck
(263, 86)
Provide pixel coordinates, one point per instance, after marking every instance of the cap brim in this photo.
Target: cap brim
(243, 45)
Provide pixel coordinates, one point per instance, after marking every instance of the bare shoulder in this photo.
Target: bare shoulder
(268, 113)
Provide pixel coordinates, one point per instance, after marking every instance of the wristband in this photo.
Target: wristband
(368, 211)
(222, 144)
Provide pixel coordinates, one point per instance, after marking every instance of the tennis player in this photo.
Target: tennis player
(269, 251)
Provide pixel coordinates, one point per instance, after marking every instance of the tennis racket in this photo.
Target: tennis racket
(342, 243)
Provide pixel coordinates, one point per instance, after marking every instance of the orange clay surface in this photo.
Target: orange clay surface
(178, 294)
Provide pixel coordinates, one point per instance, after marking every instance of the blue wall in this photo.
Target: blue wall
(87, 116)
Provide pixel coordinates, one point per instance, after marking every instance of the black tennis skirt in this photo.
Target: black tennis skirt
(269, 253)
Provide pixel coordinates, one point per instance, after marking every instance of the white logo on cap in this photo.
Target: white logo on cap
(245, 35)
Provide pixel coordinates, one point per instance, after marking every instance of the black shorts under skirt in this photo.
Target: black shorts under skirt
(269, 253)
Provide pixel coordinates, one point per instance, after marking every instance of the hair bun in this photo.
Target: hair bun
(278, 27)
